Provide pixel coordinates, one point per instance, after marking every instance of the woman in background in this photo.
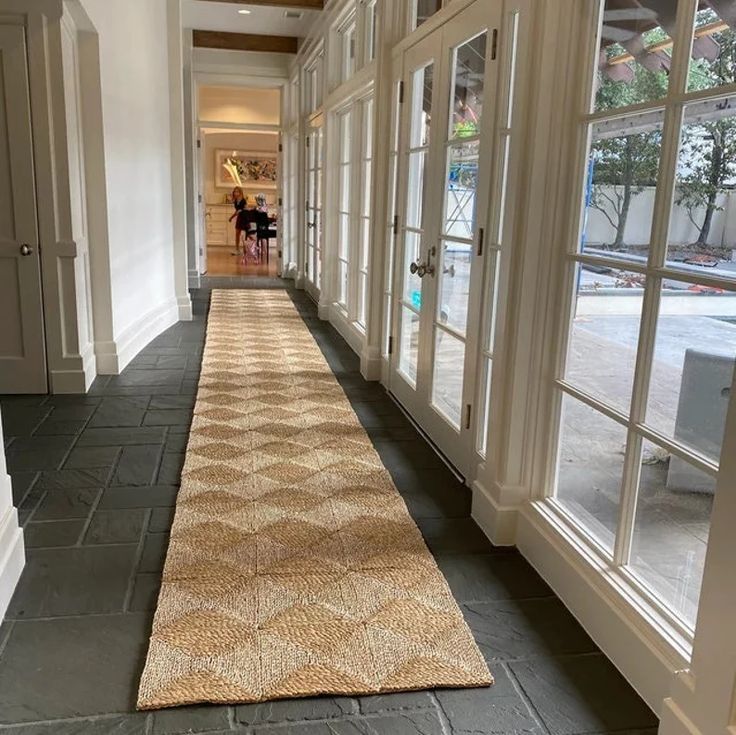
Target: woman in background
(240, 203)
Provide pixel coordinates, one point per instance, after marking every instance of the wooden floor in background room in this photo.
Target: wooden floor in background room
(222, 262)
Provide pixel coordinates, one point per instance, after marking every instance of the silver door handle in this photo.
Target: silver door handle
(26, 250)
(311, 224)
(420, 269)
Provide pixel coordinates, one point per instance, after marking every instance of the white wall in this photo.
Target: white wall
(240, 105)
(134, 76)
(682, 230)
(266, 143)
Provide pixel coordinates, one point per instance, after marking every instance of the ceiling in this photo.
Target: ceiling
(216, 16)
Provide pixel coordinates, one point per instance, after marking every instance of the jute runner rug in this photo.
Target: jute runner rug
(294, 568)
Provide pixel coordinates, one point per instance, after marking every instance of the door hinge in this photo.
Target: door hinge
(281, 148)
(468, 412)
(281, 202)
(481, 238)
(494, 44)
(390, 345)
(199, 198)
(306, 206)
(307, 141)
(199, 144)
(396, 225)
(401, 91)
(281, 255)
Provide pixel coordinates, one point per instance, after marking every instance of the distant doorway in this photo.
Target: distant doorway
(239, 183)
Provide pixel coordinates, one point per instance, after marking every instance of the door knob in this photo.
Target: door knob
(418, 269)
(26, 250)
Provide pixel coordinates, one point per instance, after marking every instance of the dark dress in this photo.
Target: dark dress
(242, 220)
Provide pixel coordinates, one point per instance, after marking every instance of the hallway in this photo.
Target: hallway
(95, 479)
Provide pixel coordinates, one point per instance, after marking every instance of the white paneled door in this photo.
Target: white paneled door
(445, 157)
(22, 348)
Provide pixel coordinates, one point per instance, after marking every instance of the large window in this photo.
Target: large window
(364, 211)
(344, 205)
(354, 126)
(651, 345)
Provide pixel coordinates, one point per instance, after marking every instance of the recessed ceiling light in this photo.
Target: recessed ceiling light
(244, 11)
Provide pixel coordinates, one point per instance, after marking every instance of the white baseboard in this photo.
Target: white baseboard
(635, 644)
(194, 279)
(353, 336)
(371, 363)
(12, 555)
(77, 380)
(498, 522)
(185, 308)
(112, 357)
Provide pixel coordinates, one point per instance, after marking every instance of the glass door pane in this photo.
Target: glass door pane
(458, 228)
(421, 85)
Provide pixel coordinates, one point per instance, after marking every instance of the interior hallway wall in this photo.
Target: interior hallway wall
(138, 169)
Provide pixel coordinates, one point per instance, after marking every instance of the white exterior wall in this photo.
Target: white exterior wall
(682, 230)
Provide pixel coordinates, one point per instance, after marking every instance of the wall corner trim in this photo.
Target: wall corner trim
(497, 521)
(12, 555)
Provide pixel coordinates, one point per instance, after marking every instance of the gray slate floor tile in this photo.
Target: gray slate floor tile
(61, 479)
(490, 710)
(122, 526)
(154, 496)
(67, 503)
(116, 437)
(581, 694)
(154, 552)
(146, 587)
(453, 535)
(296, 710)
(72, 667)
(168, 417)
(115, 725)
(522, 629)
(52, 533)
(21, 483)
(395, 702)
(404, 723)
(138, 465)
(73, 581)
(488, 577)
(92, 457)
(190, 720)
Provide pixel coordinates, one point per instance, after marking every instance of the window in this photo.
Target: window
(651, 344)
(347, 47)
(364, 212)
(344, 206)
(313, 83)
(422, 10)
(370, 25)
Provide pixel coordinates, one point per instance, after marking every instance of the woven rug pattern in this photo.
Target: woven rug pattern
(294, 568)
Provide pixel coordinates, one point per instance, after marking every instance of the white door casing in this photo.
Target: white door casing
(437, 318)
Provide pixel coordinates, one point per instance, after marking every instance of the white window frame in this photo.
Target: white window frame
(641, 596)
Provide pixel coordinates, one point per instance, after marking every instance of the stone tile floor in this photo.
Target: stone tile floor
(95, 479)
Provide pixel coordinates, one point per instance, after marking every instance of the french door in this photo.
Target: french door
(445, 157)
(22, 342)
(313, 220)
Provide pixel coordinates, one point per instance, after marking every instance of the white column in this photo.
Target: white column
(178, 158)
(703, 698)
(12, 553)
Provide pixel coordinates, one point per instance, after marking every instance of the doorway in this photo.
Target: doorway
(313, 234)
(441, 269)
(239, 151)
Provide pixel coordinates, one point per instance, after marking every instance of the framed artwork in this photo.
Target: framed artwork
(246, 169)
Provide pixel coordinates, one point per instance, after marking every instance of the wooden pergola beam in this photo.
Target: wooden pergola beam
(306, 4)
(245, 42)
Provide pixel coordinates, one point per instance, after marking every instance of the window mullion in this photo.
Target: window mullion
(657, 255)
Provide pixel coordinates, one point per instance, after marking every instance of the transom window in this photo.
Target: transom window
(649, 355)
